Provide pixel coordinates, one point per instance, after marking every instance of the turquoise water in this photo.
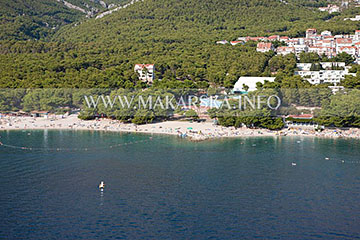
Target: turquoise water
(169, 188)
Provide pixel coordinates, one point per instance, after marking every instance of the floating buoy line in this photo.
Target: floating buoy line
(74, 149)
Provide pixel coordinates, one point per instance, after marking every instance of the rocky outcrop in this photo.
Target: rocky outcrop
(101, 15)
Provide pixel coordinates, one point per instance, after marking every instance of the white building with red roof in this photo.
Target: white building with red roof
(292, 42)
(321, 44)
(233, 43)
(256, 39)
(274, 38)
(264, 47)
(301, 116)
(284, 38)
(351, 50)
(285, 50)
(328, 74)
(327, 43)
(301, 48)
(327, 51)
(343, 42)
(311, 33)
(146, 72)
(357, 35)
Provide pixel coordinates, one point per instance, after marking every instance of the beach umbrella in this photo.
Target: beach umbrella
(189, 128)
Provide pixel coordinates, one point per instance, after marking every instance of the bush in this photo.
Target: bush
(192, 114)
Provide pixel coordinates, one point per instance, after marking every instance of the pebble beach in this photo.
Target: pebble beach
(191, 130)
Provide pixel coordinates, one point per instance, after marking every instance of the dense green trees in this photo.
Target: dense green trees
(351, 81)
(38, 19)
(191, 114)
(178, 36)
(315, 58)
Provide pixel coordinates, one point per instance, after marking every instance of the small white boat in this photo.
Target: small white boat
(293, 164)
(327, 158)
(101, 185)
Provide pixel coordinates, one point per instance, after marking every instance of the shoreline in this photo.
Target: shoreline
(192, 131)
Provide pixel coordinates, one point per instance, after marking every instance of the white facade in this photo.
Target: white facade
(250, 82)
(233, 43)
(349, 50)
(146, 72)
(326, 33)
(329, 65)
(285, 50)
(264, 47)
(222, 42)
(304, 66)
(322, 44)
(300, 48)
(356, 18)
(323, 76)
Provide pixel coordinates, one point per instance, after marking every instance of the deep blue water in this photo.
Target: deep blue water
(169, 188)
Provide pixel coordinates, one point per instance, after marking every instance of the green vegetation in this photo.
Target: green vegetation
(38, 19)
(191, 114)
(178, 36)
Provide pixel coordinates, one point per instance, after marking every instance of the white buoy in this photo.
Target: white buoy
(101, 186)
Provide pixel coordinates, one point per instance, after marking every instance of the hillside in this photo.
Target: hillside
(36, 19)
(178, 36)
(214, 18)
(226, 18)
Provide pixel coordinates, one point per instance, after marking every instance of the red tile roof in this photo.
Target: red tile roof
(349, 47)
(344, 41)
(144, 65)
(302, 116)
(264, 45)
(280, 49)
(274, 37)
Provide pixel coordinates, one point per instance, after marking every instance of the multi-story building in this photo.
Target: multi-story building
(326, 75)
(264, 47)
(351, 50)
(301, 48)
(236, 42)
(285, 50)
(146, 72)
(311, 33)
(322, 44)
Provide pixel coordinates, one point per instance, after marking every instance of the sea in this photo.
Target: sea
(165, 187)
